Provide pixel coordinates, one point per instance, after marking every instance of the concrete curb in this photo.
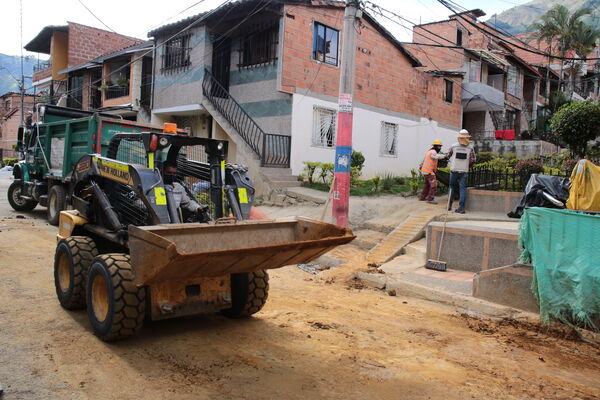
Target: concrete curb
(405, 288)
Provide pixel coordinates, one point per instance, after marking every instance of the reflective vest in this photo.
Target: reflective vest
(429, 163)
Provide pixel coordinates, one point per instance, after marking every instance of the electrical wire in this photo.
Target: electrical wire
(95, 16)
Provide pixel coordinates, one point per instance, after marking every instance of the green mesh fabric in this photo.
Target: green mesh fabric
(564, 248)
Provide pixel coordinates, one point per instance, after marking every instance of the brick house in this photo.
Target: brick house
(69, 45)
(10, 120)
(118, 83)
(269, 84)
(501, 90)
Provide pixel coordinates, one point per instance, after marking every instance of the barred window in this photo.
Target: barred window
(389, 139)
(324, 127)
(176, 53)
(514, 81)
(448, 90)
(259, 48)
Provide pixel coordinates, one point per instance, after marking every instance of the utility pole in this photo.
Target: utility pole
(343, 142)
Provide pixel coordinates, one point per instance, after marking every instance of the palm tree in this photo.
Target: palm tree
(564, 32)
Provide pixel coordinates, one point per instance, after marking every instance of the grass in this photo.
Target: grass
(362, 188)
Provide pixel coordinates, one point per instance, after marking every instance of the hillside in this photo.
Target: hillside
(11, 65)
(517, 19)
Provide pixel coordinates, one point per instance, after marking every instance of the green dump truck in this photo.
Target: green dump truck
(53, 146)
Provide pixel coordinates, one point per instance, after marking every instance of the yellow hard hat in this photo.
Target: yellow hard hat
(436, 142)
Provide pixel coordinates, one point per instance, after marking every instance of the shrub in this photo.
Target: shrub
(415, 181)
(309, 168)
(569, 164)
(354, 175)
(529, 166)
(9, 162)
(400, 180)
(576, 124)
(485, 156)
(376, 180)
(357, 160)
(326, 171)
(388, 180)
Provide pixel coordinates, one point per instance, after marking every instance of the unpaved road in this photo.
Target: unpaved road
(315, 339)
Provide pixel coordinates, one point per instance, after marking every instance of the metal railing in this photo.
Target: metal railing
(276, 150)
(273, 150)
(114, 92)
(506, 180)
(40, 66)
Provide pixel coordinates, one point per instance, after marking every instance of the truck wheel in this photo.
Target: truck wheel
(249, 292)
(57, 202)
(16, 201)
(116, 306)
(71, 262)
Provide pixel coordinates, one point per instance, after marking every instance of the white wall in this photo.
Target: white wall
(414, 139)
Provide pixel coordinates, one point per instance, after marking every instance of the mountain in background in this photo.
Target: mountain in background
(12, 65)
(517, 19)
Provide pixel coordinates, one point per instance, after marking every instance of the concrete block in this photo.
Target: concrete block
(474, 245)
(492, 201)
(509, 285)
(374, 280)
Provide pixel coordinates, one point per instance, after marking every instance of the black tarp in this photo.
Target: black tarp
(543, 191)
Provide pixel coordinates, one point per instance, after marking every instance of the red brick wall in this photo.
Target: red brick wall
(439, 57)
(43, 74)
(384, 76)
(86, 43)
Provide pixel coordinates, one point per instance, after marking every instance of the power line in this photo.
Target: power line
(170, 18)
(95, 16)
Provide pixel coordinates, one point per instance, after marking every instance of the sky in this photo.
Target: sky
(136, 17)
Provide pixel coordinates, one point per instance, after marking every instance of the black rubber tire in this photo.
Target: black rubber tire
(249, 293)
(125, 302)
(14, 198)
(57, 202)
(77, 252)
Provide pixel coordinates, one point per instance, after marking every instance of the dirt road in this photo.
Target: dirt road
(314, 339)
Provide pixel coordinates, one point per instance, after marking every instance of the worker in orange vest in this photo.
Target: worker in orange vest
(428, 168)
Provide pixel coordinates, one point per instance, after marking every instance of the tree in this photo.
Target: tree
(576, 124)
(564, 32)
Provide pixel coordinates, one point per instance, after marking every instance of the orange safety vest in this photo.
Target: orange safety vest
(429, 163)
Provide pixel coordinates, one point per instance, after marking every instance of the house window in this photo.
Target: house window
(324, 127)
(75, 98)
(325, 44)
(118, 79)
(259, 48)
(7, 104)
(176, 53)
(514, 81)
(389, 139)
(474, 71)
(448, 90)
(458, 37)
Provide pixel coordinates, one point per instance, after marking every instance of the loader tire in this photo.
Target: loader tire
(16, 201)
(116, 306)
(71, 262)
(57, 202)
(249, 292)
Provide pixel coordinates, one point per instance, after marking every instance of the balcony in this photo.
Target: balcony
(477, 96)
(114, 92)
(42, 65)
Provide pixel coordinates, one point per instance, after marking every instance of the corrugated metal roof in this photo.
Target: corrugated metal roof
(41, 43)
(97, 62)
(489, 57)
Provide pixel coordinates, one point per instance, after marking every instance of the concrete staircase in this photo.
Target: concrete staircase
(282, 178)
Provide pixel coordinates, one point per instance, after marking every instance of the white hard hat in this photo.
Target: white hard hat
(464, 132)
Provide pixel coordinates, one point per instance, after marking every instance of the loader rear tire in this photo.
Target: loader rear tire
(16, 201)
(249, 292)
(71, 262)
(57, 202)
(116, 306)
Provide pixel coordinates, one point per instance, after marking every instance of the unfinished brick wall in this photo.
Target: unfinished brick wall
(86, 43)
(384, 78)
(439, 57)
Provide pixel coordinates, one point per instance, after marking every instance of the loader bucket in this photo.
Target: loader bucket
(163, 253)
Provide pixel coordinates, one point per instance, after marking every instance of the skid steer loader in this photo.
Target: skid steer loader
(128, 251)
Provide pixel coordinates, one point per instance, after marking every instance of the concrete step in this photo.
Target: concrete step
(367, 239)
(275, 171)
(286, 184)
(417, 249)
(402, 264)
(282, 178)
